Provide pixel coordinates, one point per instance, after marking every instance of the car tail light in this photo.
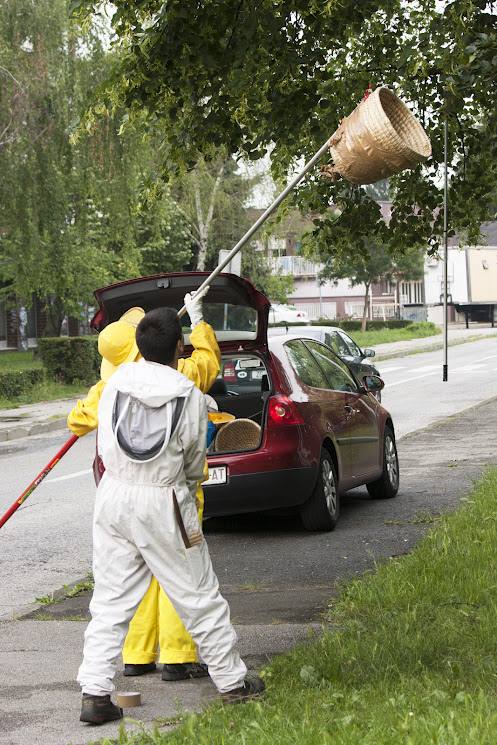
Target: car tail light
(229, 372)
(282, 410)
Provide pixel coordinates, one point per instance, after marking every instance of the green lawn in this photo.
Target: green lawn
(18, 360)
(47, 391)
(383, 336)
(411, 659)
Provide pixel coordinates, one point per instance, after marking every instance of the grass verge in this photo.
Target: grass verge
(68, 591)
(47, 391)
(18, 360)
(411, 659)
(384, 336)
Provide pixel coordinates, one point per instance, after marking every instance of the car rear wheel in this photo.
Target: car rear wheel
(322, 509)
(387, 485)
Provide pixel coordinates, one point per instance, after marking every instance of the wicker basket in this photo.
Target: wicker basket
(242, 434)
(381, 137)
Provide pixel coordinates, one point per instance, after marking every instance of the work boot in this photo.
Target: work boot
(184, 671)
(252, 688)
(131, 670)
(99, 709)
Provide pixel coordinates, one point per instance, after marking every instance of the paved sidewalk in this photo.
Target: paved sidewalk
(457, 335)
(34, 419)
(39, 700)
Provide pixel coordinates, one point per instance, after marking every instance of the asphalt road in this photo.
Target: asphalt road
(415, 394)
(48, 543)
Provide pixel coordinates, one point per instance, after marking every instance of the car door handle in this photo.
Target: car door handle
(349, 409)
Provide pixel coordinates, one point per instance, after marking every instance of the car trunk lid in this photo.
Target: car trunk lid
(234, 308)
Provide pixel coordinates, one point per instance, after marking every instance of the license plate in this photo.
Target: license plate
(217, 475)
(257, 374)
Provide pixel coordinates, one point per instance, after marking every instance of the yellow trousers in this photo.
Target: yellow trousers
(156, 624)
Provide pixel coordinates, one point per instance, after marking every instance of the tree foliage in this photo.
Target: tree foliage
(247, 75)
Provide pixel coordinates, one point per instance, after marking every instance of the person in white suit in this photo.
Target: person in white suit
(152, 440)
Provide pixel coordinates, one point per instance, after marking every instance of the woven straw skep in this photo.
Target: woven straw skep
(379, 138)
(241, 434)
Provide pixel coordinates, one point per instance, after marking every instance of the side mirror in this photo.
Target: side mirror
(373, 383)
(368, 352)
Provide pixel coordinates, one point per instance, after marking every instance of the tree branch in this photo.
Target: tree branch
(9, 74)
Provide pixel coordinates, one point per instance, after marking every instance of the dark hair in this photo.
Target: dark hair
(158, 334)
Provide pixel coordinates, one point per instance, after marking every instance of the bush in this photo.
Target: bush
(72, 359)
(16, 382)
(393, 323)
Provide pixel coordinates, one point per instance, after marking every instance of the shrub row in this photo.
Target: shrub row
(393, 323)
(70, 359)
(15, 382)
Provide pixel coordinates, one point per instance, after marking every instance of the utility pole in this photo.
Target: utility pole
(446, 258)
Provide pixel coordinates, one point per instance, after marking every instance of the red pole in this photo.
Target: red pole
(37, 481)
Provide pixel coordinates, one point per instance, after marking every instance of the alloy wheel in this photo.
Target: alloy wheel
(391, 461)
(329, 487)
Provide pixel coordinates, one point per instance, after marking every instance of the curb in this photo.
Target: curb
(18, 432)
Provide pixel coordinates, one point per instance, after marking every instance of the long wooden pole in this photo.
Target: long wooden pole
(37, 481)
(250, 232)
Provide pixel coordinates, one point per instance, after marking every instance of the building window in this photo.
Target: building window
(412, 293)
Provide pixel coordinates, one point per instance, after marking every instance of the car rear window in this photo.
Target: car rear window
(244, 374)
(228, 321)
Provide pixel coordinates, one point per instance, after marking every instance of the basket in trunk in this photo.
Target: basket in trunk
(241, 434)
(379, 138)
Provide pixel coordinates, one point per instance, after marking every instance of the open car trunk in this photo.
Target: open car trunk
(238, 314)
(242, 389)
(237, 311)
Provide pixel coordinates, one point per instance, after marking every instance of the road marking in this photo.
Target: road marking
(425, 368)
(385, 370)
(465, 368)
(469, 368)
(74, 475)
(415, 377)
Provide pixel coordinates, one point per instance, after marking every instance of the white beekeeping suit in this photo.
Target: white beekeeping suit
(152, 439)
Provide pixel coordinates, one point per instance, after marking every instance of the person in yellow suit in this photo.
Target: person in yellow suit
(155, 622)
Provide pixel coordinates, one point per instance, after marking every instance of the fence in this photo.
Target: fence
(318, 310)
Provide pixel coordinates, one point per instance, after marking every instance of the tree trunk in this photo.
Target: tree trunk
(204, 224)
(366, 308)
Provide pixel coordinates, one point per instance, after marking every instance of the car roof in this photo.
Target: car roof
(279, 342)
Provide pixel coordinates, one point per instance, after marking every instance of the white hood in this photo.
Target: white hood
(148, 404)
(151, 383)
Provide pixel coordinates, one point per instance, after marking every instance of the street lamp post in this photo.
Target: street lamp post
(446, 259)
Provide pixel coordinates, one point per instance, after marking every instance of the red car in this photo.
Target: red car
(322, 431)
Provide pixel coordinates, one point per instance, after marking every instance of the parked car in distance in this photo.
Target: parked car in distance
(341, 343)
(280, 313)
(320, 431)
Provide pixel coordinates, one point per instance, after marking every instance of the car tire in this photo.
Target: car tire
(322, 509)
(387, 485)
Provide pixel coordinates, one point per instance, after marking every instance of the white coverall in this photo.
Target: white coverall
(145, 523)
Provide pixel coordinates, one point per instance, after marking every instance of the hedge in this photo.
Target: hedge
(15, 382)
(70, 359)
(393, 323)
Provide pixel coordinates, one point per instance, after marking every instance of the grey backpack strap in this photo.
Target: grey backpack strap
(180, 405)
